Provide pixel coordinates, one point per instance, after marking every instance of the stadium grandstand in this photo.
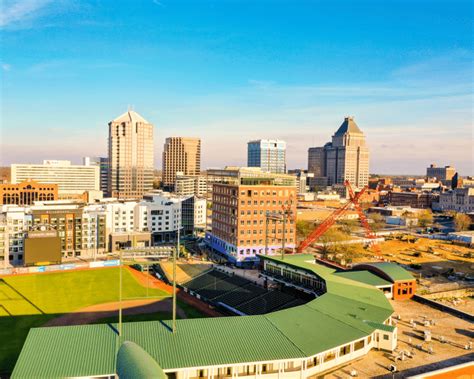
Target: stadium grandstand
(241, 296)
(345, 320)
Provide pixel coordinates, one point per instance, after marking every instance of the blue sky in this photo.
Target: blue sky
(230, 71)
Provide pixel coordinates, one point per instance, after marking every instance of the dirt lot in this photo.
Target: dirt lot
(456, 332)
(440, 262)
(465, 304)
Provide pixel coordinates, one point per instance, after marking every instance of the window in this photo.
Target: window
(359, 345)
(329, 356)
(345, 350)
(386, 337)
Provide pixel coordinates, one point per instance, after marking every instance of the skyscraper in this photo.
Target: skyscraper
(183, 155)
(269, 155)
(103, 164)
(130, 156)
(345, 158)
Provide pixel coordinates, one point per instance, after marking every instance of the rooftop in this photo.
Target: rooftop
(364, 277)
(348, 126)
(130, 116)
(392, 271)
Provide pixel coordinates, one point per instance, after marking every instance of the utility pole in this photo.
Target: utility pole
(175, 254)
(120, 295)
(267, 214)
(283, 239)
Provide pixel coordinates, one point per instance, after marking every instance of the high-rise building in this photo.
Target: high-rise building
(443, 174)
(345, 158)
(130, 156)
(103, 164)
(72, 180)
(180, 155)
(239, 215)
(317, 161)
(269, 155)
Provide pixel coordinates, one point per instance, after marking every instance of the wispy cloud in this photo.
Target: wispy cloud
(159, 3)
(6, 67)
(14, 13)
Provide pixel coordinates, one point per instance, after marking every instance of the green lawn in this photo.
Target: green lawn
(28, 301)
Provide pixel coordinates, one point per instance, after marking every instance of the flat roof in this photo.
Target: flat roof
(338, 317)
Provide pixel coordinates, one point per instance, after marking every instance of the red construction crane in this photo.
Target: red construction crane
(331, 219)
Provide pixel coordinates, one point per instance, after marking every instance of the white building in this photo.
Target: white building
(459, 200)
(200, 213)
(14, 222)
(164, 215)
(187, 185)
(72, 180)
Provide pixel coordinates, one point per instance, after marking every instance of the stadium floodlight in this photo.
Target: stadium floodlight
(175, 254)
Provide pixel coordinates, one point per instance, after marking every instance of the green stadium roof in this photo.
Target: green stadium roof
(392, 270)
(135, 363)
(343, 314)
(364, 277)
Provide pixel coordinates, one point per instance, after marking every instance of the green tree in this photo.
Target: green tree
(377, 221)
(331, 241)
(348, 226)
(303, 228)
(425, 218)
(462, 222)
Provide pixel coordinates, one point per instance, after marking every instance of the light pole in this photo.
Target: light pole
(274, 216)
(283, 239)
(120, 294)
(175, 253)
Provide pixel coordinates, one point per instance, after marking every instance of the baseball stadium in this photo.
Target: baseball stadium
(345, 319)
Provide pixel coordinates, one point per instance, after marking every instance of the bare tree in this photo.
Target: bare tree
(462, 222)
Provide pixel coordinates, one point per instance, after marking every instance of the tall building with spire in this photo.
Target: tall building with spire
(130, 156)
(345, 158)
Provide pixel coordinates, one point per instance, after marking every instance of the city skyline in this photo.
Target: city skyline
(252, 73)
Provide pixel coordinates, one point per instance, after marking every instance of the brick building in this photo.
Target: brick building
(27, 192)
(239, 215)
(412, 199)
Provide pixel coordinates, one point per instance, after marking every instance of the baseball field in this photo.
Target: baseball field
(87, 296)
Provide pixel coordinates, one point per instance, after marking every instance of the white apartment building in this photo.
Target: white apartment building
(125, 216)
(200, 213)
(14, 222)
(72, 180)
(187, 185)
(164, 215)
(459, 200)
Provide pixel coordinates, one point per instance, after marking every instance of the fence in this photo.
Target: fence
(444, 308)
(61, 267)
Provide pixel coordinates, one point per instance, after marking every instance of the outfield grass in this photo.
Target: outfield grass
(28, 301)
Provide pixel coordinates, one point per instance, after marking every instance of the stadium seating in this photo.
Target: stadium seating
(239, 293)
(268, 302)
